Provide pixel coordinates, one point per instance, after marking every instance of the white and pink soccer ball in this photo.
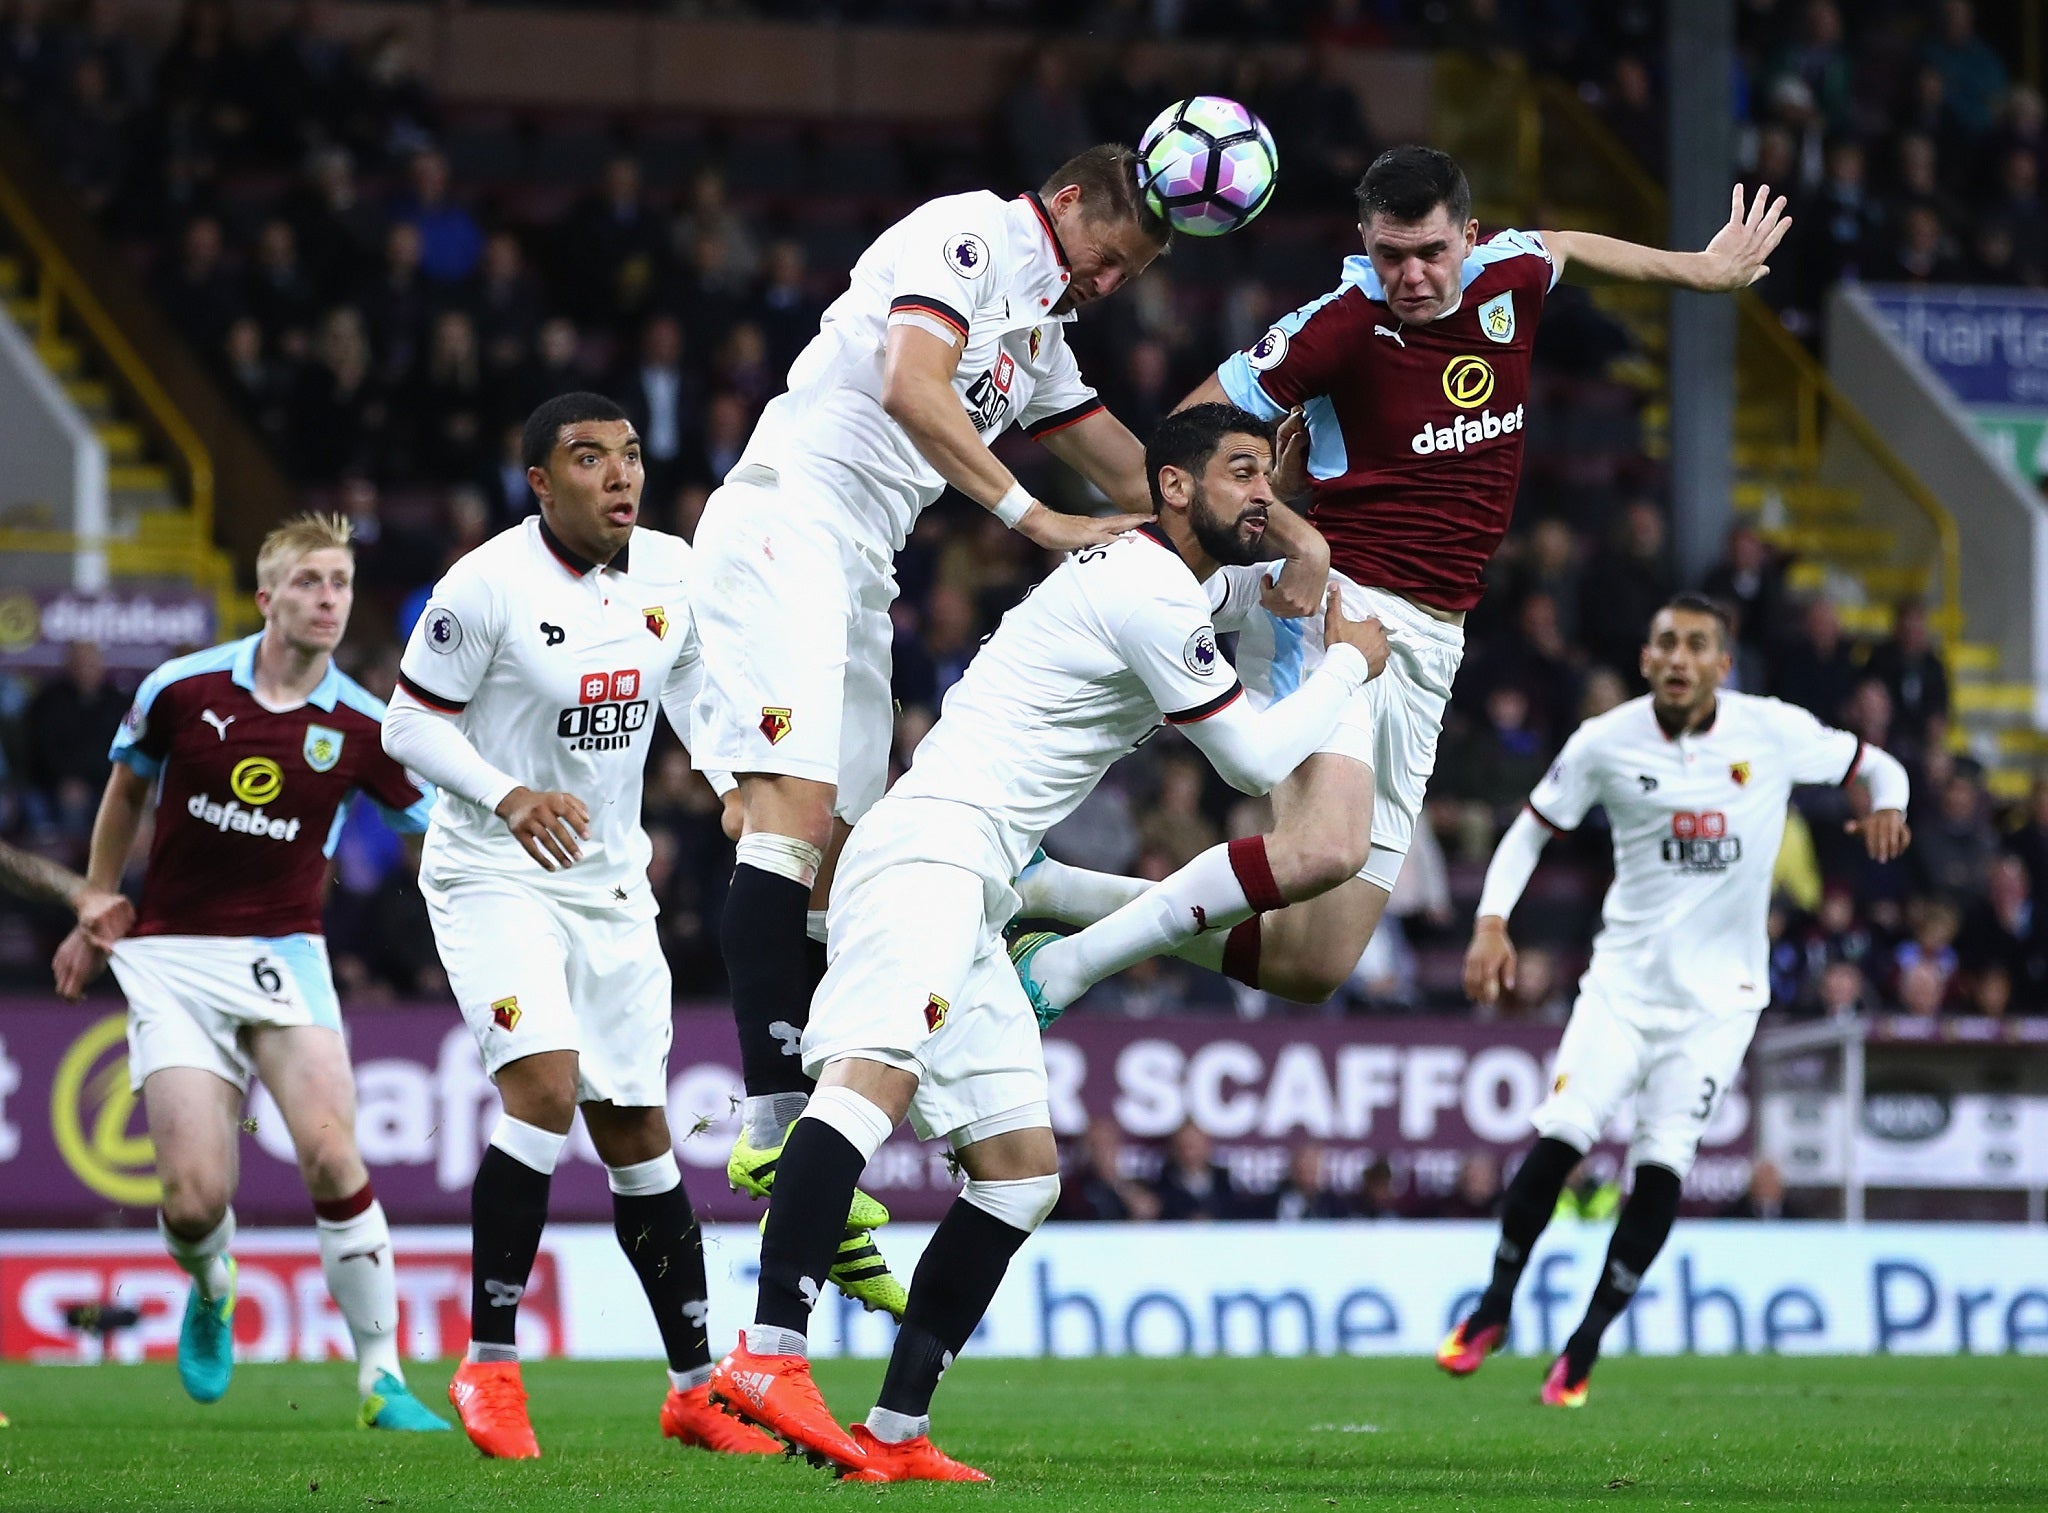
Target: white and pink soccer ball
(1207, 165)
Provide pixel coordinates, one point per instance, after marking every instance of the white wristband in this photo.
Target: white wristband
(1013, 506)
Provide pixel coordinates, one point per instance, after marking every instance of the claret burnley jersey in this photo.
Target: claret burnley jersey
(249, 799)
(554, 668)
(1415, 431)
(1696, 822)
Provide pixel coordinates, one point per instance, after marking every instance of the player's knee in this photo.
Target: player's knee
(194, 1203)
(1022, 1204)
(330, 1164)
(1309, 862)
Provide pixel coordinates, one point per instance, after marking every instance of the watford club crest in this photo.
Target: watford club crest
(935, 1009)
(774, 725)
(1740, 772)
(505, 1013)
(657, 621)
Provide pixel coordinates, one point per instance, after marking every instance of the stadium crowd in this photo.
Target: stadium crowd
(385, 286)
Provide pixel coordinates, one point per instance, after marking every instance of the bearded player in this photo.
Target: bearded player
(1412, 377)
(248, 752)
(1695, 781)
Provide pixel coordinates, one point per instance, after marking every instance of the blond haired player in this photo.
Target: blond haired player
(248, 753)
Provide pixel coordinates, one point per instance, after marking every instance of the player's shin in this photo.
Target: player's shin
(1639, 1234)
(203, 1257)
(767, 954)
(1223, 887)
(826, 1152)
(355, 1257)
(956, 1280)
(1526, 1208)
(508, 1208)
(658, 1230)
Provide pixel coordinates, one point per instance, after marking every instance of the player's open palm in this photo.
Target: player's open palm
(1740, 252)
(1885, 834)
(1070, 533)
(548, 825)
(1367, 637)
(1489, 965)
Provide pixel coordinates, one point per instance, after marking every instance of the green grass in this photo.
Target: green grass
(1746, 1432)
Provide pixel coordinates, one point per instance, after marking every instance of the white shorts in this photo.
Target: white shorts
(532, 974)
(919, 979)
(796, 631)
(1677, 1063)
(1391, 724)
(192, 999)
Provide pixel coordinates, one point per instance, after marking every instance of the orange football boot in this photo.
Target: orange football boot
(689, 1417)
(912, 1460)
(1461, 1356)
(776, 1393)
(492, 1403)
(1560, 1393)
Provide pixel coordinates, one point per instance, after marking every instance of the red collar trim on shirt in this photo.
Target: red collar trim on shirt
(1059, 249)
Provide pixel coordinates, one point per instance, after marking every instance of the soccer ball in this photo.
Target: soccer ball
(1207, 165)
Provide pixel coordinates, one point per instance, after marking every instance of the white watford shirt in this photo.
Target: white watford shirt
(1696, 824)
(553, 667)
(1116, 640)
(974, 269)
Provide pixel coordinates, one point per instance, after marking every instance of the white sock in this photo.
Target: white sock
(479, 1351)
(205, 1259)
(893, 1428)
(771, 1339)
(1204, 895)
(355, 1256)
(684, 1381)
(814, 924)
(768, 1116)
(1074, 895)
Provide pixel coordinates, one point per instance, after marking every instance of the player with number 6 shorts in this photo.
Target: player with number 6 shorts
(248, 753)
(1695, 782)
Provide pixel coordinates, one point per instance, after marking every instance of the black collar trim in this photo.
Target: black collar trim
(1059, 249)
(577, 564)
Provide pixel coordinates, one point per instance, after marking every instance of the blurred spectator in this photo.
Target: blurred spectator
(2001, 935)
(1766, 1196)
(339, 232)
(1634, 114)
(1932, 944)
(450, 241)
(1305, 1193)
(1816, 670)
(340, 411)
(1842, 992)
(1376, 1198)
(71, 723)
(396, 305)
(1493, 770)
(708, 220)
(1912, 672)
(1924, 253)
(447, 403)
(1751, 582)
(1097, 1184)
(1044, 119)
(2029, 838)
(259, 386)
(1922, 990)
(277, 291)
(1628, 582)
(785, 310)
(1972, 76)
(198, 294)
(508, 308)
(1847, 220)
(1587, 1198)
(1191, 1185)
(1953, 848)
(615, 252)
(661, 395)
(1175, 827)
(1477, 1195)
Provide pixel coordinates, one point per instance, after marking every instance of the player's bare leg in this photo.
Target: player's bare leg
(773, 937)
(193, 1118)
(307, 1070)
(1229, 909)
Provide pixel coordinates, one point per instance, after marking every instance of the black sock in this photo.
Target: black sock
(814, 969)
(1639, 1234)
(766, 960)
(956, 1280)
(807, 1220)
(508, 1207)
(659, 1233)
(1525, 1209)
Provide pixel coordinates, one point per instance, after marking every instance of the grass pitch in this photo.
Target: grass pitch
(1732, 1432)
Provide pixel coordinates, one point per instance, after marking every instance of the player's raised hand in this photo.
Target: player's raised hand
(77, 962)
(548, 825)
(1885, 834)
(1489, 962)
(104, 916)
(1069, 533)
(1368, 637)
(1290, 455)
(1740, 252)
